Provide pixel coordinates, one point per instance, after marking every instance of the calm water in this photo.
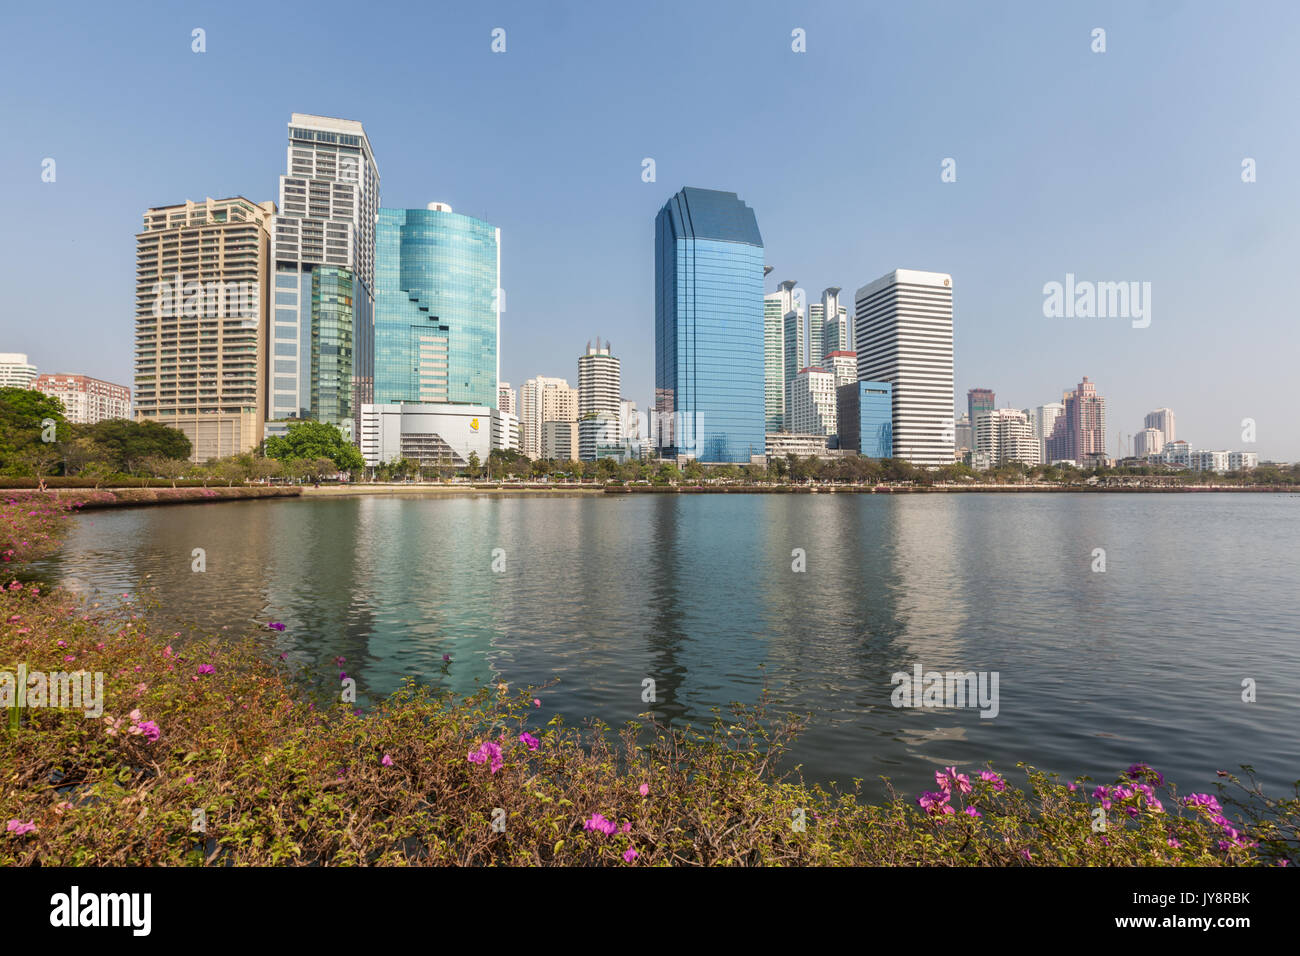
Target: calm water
(1097, 670)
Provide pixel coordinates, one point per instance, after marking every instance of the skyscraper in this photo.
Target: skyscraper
(709, 336)
(322, 342)
(1079, 434)
(864, 417)
(437, 315)
(1005, 435)
(600, 385)
(979, 400)
(775, 306)
(903, 334)
(200, 322)
(829, 327)
(1162, 419)
(1149, 441)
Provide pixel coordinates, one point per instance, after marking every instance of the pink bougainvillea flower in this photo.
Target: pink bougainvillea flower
(972, 812)
(998, 783)
(150, 730)
(275, 625)
(486, 752)
(387, 761)
(629, 855)
(446, 658)
(63, 643)
(644, 789)
(536, 702)
(530, 740)
(627, 827)
(597, 823)
(1173, 843)
(207, 669)
(20, 827)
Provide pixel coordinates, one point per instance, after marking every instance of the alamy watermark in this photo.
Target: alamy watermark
(79, 690)
(946, 689)
(209, 300)
(1098, 300)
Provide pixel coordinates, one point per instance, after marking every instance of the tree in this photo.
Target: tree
(128, 444)
(473, 465)
(164, 468)
(23, 413)
(312, 440)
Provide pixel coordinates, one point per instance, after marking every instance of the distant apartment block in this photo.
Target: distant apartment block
(1079, 433)
(1242, 460)
(1149, 441)
(86, 400)
(600, 386)
(506, 400)
(544, 399)
(843, 366)
(1162, 420)
(1004, 435)
(780, 444)
(201, 303)
(812, 402)
(15, 370)
(560, 441)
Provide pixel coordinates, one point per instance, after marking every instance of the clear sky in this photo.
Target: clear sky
(1117, 166)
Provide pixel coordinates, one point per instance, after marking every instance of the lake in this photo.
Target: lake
(1144, 661)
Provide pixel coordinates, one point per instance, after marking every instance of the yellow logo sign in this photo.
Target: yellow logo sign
(473, 424)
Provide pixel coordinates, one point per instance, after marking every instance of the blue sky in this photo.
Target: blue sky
(1115, 166)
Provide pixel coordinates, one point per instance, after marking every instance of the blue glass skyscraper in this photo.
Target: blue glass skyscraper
(709, 368)
(437, 307)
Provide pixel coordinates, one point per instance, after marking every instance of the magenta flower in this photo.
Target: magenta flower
(488, 751)
(387, 761)
(207, 669)
(935, 803)
(598, 823)
(644, 789)
(530, 740)
(949, 777)
(1203, 800)
(627, 827)
(536, 702)
(20, 828)
(972, 812)
(1139, 770)
(998, 783)
(629, 855)
(1173, 843)
(446, 658)
(275, 625)
(150, 731)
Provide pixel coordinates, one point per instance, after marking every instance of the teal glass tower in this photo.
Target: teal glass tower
(709, 358)
(437, 307)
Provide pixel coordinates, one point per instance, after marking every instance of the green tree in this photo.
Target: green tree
(23, 412)
(129, 444)
(312, 440)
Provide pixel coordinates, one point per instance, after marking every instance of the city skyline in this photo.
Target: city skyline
(837, 216)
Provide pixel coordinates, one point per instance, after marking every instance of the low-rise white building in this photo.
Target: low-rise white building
(431, 433)
(1242, 460)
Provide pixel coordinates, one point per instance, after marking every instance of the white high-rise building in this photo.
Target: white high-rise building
(15, 370)
(843, 365)
(1044, 420)
(775, 306)
(903, 335)
(812, 402)
(1149, 441)
(544, 399)
(506, 398)
(600, 384)
(1004, 435)
(836, 329)
(321, 356)
(1162, 419)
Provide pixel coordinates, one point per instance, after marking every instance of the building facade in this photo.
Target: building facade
(835, 329)
(560, 441)
(1149, 441)
(437, 307)
(15, 370)
(429, 433)
(1005, 435)
(709, 338)
(1162, 420)
(322, 326)
(903, 336)
(865, 418)
(779, 444)
(544, 399)
(812, 402)
(86, 400)
(775, 306)
(1079, 433)
(201, 303)
(600, 403)
(506, 400)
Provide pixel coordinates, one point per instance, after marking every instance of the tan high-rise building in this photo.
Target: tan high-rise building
(201, 307)
(543, 399)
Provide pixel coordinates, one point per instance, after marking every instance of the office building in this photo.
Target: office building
(903, 336)
(963, 435)
(437, 316)
(842, 365)
(560, 441)
(812, 402)
(1044, 421)
(865, 418)
(321, 363)
(794, 354)
(86, 400)
(1079, 433)
(201, 301)
(979, 400)
(709, 335)
(1162, 420)
(541, 400)
(780, 444)
(15, 370)
(506, 400)
(831, 330)
(431, 433)
(775, 306)
(600, 406)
